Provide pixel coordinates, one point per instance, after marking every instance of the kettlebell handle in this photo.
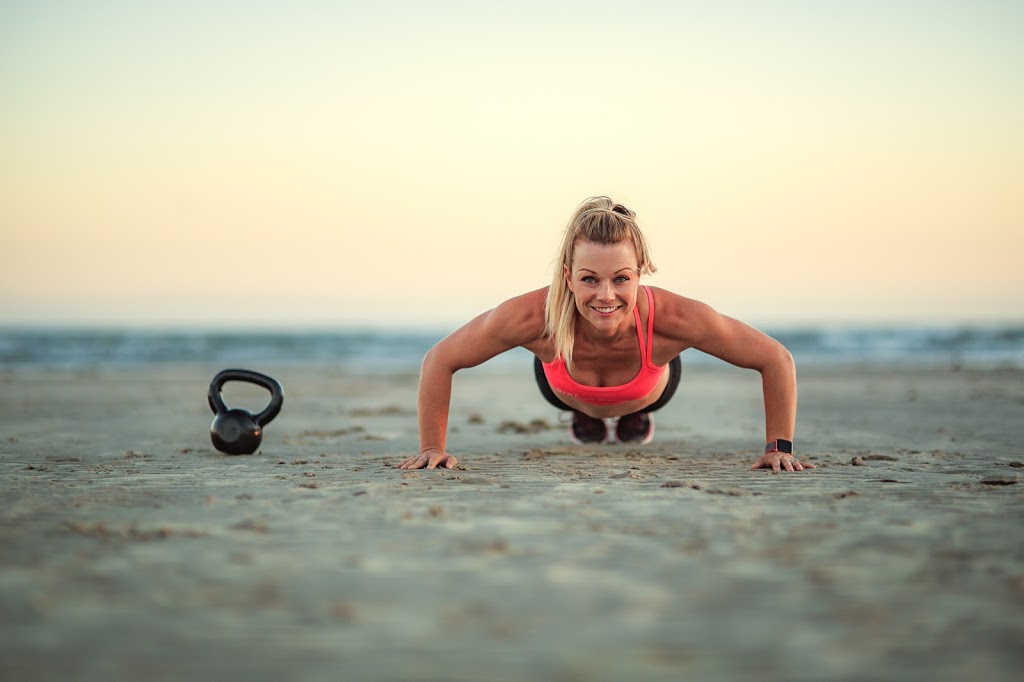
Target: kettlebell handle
(248, 376)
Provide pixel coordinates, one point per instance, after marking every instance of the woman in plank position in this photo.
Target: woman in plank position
(605, 346)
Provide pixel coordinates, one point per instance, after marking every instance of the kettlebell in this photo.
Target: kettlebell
(237, 431)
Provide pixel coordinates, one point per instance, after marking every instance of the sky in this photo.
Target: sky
(412, 164)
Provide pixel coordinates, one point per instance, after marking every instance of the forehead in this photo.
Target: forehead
(599, 257)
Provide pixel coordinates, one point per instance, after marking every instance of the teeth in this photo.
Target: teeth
(606, 310)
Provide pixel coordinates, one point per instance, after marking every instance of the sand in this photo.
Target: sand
(130, 549)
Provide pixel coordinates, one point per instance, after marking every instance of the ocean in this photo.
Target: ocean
(389, 351)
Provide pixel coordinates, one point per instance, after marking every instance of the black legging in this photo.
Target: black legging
(675, 371)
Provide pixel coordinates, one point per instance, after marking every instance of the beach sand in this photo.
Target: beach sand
(130, 549)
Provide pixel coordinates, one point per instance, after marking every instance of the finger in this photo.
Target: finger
(450, 464)
(808, 465)
(417, 462)
(435, 460)
(759, 464)
(798, 466)
(775, 465)
(788, 464)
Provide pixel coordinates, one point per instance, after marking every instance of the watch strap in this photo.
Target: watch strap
(779, 445)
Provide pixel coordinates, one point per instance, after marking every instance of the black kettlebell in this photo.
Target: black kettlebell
(237, 431)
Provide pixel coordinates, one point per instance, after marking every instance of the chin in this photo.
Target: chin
(599, 320)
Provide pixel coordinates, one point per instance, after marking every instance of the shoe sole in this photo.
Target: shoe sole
(609, 436)
(643, 441)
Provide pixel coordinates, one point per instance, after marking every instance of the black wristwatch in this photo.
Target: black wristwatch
(779, 445)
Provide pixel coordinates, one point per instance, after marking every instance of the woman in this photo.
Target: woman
(606, 346)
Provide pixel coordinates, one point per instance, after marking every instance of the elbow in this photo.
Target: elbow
(434, 361)
(430, 360)
(785, 361)
(779, 362)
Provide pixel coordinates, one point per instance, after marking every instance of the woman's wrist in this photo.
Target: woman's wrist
(431, 447)
(779, 445)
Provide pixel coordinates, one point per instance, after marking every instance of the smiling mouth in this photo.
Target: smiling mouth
(606, 311)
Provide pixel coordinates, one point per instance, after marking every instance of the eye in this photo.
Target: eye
(588, 279)
(622, 279)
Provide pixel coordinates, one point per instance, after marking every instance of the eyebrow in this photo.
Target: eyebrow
(614, 273)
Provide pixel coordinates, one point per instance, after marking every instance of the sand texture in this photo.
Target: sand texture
(131, 550)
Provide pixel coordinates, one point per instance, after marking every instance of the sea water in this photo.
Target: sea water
(980, 347)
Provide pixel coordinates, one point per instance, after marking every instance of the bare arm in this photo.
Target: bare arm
(515, 322)
(699, 326)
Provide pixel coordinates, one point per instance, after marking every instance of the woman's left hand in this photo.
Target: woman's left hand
(430, 458)
(778, 461)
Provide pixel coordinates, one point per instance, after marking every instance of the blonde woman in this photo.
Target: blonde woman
(607, 347)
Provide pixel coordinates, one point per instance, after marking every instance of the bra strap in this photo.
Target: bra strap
(650, 325)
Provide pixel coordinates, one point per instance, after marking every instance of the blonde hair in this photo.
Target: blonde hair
(598, 220)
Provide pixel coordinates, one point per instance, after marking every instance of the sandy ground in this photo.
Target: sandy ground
(130, 549)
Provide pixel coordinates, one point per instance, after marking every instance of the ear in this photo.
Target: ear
(568, 278)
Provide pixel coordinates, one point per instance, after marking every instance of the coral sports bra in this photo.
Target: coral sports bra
(642, 384)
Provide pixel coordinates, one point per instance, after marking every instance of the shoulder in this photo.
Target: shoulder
(682, 323)
(519, 319)
(530, 302)
(681, 319)
(671, 307)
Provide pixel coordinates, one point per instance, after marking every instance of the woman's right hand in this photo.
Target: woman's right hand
(430, 458)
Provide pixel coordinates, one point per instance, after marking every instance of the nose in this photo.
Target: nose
(605, 293)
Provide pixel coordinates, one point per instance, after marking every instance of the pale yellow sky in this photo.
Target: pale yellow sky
(414, 163)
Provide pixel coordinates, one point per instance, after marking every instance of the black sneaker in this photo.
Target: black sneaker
(635, 428)
(586, 429)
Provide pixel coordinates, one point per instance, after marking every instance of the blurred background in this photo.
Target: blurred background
(402, 166)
